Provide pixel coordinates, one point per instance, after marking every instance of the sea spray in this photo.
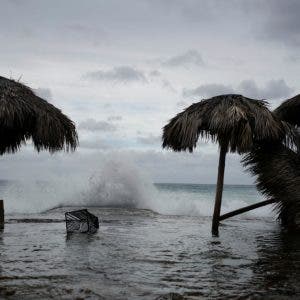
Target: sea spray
(33, 196)
(119, 182)
(115, 182)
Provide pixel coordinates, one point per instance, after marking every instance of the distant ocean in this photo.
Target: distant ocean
(165, 198)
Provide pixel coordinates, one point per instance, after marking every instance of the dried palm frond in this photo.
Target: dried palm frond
(231, 119)
(277, 169)
(289, 111)
(24, 115)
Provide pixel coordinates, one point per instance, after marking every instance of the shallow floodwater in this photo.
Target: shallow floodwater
(140, 254)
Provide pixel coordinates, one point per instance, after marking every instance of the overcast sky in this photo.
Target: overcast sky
(122, 69)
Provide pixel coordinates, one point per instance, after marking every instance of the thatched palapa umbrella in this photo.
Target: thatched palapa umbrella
(235, 122)
(24, 115)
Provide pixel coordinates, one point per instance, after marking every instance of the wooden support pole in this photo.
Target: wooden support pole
(219, 191)
(245, 209)
(1, 214)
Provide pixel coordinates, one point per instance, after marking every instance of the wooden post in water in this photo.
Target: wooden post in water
(219, 190)
(245, 209)
(1, 214)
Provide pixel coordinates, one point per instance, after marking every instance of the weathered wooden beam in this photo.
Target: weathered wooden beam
(1, 214)
(219, 191)
(245, 209)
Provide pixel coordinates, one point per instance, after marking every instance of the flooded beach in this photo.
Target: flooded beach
(140, 254)
(173, 126)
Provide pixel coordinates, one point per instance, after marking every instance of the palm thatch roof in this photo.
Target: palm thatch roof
(289, 111)
(24, 115)
(231, 119)
(277, 169)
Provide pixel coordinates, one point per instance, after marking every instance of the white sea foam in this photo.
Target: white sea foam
(120, 183)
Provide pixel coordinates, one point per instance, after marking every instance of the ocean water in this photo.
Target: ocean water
(164, 198)
(154, 242)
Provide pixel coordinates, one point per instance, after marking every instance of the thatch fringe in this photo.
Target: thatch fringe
(232, 119)
(289, 111)
(23, 115)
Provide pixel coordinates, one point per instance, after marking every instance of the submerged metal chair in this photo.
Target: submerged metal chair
(81, 221)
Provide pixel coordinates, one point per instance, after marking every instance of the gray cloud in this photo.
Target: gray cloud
(274, 20)
(93, 144)
(154, 73)
(167, 85)
(161, 166)
(126, 74)
(44, 93)
(93, 34)
(156, 76)
(69, 40)
(293, 58)
(208, 90)
(189, 58)
(282, 23)
(181, 103)
(273, 89)
(114, 118)
(166, 166)
(93, 125)
(149, 139)
(122, 74)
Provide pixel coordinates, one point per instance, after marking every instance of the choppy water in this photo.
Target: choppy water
(142, 254)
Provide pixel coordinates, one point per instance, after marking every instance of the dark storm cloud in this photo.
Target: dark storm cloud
(282, 21)
(273, 89)
(93, 125)
(93, 21)
(189, 58)
(274, 20)
(122, 74)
